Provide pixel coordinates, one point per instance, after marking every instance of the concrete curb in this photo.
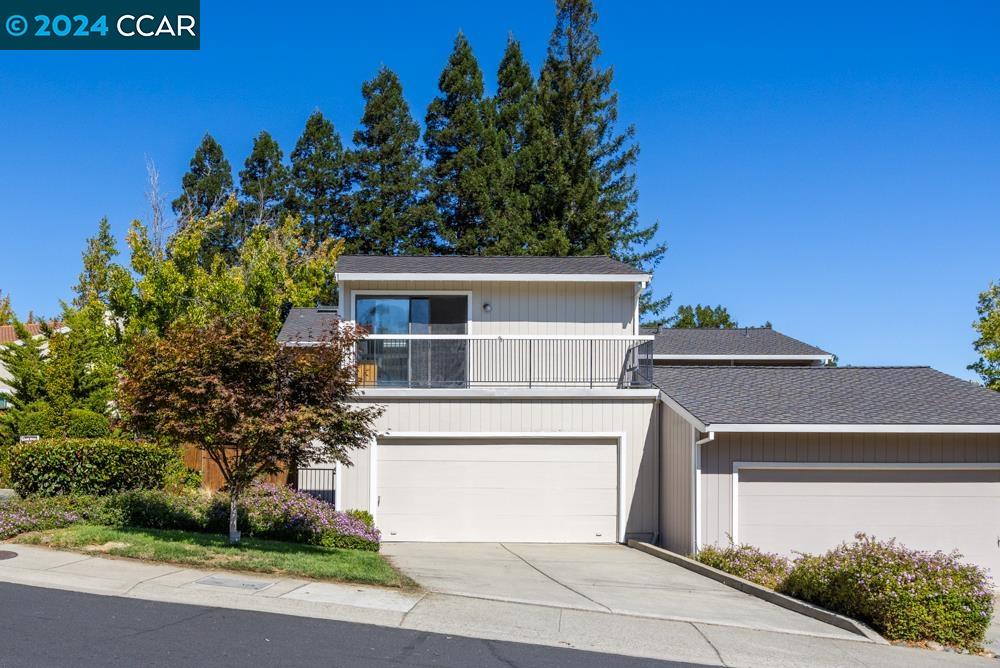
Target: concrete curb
(763, 593)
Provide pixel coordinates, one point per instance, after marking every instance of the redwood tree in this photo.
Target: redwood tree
(251, 404)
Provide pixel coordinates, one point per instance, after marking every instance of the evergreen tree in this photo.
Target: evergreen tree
(389, 211)
(6, 311)
(263, 183)
(207, 184)
(320, 181)
(703, 317)
(462, 146)
(527, 147)
(590, 190)
(94, 282)
(987, 344)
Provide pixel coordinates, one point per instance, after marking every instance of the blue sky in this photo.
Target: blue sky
(834, 169)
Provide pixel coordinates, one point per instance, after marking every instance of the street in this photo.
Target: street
(48, 627)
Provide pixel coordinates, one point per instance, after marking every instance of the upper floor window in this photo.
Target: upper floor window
(423, 314)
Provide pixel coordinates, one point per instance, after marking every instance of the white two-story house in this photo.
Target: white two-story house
(524, 403)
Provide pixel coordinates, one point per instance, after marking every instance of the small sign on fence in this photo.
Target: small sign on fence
(30, 439)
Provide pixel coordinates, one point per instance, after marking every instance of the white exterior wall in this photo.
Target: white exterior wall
(543, 308)
(677, 476)
(635, 418)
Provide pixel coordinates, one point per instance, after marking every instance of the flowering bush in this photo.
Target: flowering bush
(904, 594)
(20, 516)
(747, 562)
(281, 513)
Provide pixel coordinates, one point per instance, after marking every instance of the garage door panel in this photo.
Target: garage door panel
(539, 491)
(813, 510)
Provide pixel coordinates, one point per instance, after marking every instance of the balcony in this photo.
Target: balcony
(463, 361)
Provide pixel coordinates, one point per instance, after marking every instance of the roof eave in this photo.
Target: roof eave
(471, 277)
(855, 428)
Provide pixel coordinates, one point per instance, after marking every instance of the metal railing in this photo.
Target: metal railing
(320, 483)
(453, 361)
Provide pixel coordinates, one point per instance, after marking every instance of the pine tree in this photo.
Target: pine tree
(94, 282)
(207, 184)
(6, 311)
(389, 211)
(591, 190)
(462, 145)
(263, 183)
(320, 181)
(702, 317)
(528, 151)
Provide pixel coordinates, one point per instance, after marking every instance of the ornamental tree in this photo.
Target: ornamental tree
(252, 405)
(988, 343)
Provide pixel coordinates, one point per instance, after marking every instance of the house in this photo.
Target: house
(523, 402)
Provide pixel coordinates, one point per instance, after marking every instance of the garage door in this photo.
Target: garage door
(812, 510)
(538, 491)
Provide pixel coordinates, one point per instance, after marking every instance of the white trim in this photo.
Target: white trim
(619, 436)
(338, 479)
(500, 278)
(373, 497)
(683, 412)
(844, 466)
(508, 393)
(518, 337)
(860, 428)
(696, 509)
(762, 358)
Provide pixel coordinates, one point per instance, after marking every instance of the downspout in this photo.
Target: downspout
(696, 487)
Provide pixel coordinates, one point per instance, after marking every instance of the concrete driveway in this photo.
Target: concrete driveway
(605, 578)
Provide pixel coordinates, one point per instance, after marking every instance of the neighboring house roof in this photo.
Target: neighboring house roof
(461, 267)
(9, 335)
(308, 325)
(746, 395)
(746, 342)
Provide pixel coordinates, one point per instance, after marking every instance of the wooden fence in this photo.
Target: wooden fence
(211, 477)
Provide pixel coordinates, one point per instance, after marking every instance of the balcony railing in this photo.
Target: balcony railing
(462, 361)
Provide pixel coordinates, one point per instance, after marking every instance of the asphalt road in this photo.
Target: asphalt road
(49, 627)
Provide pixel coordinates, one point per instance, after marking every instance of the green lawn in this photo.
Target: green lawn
(213, 551)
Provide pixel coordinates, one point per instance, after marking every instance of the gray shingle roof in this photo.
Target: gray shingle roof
(460, 264)
(827, 395)
(745, 341)
(307, 325)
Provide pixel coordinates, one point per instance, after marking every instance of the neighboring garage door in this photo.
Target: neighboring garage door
(813, 509)
(478, 490)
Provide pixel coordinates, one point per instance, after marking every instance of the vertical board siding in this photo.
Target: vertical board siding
(522, 308)
(718, 456)
(636, 418)
(675, 471)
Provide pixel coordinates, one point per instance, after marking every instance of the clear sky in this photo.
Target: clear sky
(832, 168)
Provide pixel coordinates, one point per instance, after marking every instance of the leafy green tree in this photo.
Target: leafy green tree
(6, 310)
(390, 214)
(252, 405)
(82, 360)
(264, 182)
(590, 190)
(463, 148)
(93, 284)
(702, 317)
(273, 267)
(988, 342)
(527, 148)
(207, 184)
(25, 366)
(320, 182)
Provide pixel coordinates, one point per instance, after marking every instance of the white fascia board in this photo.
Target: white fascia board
(507, 393)
(860, 428)
(507, 278)
(789, 358)
(683, 412)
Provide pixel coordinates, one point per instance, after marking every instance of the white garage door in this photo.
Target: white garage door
(812, 510)
(539, 491)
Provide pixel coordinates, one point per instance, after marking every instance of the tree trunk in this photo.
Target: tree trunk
(234, 532)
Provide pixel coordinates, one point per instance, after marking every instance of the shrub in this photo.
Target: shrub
(178, 478)
(4, 465)
(40, 513)
(747, 562)
(281, 513)
(77, 466)
(158, 509)
(364, 516)
(81, 423)
(903, 594)
(37, 419)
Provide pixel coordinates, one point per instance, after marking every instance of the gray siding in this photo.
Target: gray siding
(676, 475)
(517, 308)
(636, 418)
(717, 460)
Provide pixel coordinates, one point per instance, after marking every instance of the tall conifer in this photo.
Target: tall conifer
(263, 182)
(207, 184)
(320, 181)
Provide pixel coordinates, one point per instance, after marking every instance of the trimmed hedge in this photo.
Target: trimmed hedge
(903, 594)
(79, 466)
(81, 423)
(766, 569)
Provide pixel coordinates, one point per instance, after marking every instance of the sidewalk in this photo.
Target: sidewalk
(455, 615)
